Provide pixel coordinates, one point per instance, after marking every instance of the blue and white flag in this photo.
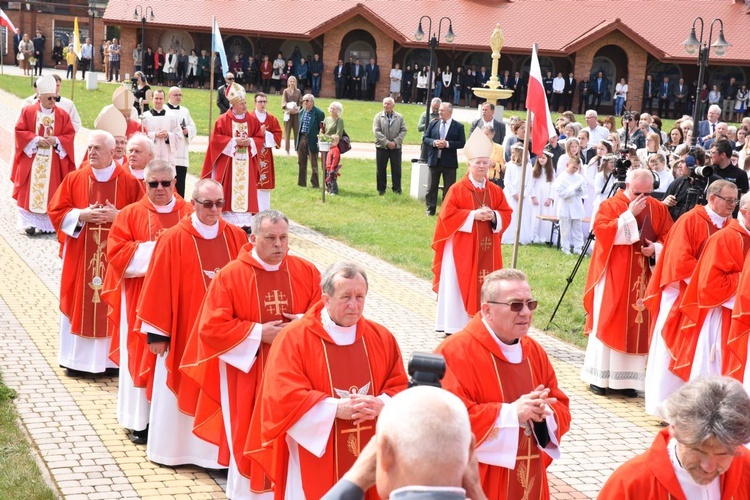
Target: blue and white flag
(217, 45)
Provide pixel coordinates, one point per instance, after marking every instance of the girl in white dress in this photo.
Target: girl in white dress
(512, 194)
(603, 149)
(542, 197)
(572, 148)
(570, 191)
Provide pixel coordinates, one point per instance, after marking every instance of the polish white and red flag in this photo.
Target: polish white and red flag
(5, 21)
(536, 102)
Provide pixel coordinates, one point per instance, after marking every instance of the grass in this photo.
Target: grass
(19, 473)
(394, 228)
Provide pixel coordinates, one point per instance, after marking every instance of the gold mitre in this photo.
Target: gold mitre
(123, 99)
(478, 145)
(110, 119)
(46, 85)
(235, 92)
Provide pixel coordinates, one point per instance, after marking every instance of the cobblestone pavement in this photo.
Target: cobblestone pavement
(87, 455)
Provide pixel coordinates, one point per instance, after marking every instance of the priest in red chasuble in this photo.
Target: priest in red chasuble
(271, 129)
(246, 306)
(232, 158)
(82, 212)
(467, 238)
(44, 156)
(327, 378)
(186, 258)
(700, 454)
(139, 152)
(669, 281)
(518, 413)
(707, 305)
(630, 228)
(129, 248)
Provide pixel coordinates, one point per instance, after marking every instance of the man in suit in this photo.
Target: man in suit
(569, 92)
(221, 93)
(681, 91)
(389, 129)
(650, 91)
(600, 90)
(443, 137)
(707, 127)
(584, 91)
(666, 95)
(488, 118)
(505, 81)
(339, 79)
(39, 41)
(310, 118)
(348, 67)
(17, 37)
(356, 72)
(372, 77)
(729, 95)
(519, 91)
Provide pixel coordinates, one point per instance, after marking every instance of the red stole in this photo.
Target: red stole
(636, 341)
(485, 243)
(212, 255)
(159, 222)
(94, 317)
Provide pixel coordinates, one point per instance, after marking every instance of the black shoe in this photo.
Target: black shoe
(628, 393)
(429, 213)
(31, 231)
(139, 437)
(74, 373)
(381, 193)
(111, 372)
(599, 391)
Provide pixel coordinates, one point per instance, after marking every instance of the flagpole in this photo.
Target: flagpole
(211, 83)
(524, 161)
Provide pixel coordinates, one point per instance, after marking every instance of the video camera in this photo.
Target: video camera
(699, 178)
(426, 369)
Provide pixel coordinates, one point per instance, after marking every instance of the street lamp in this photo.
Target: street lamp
(141, 13)
(433, 42)
(694, 45)
(95, 10)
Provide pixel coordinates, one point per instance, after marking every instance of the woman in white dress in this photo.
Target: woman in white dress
(396, 77)
(542, 196)
(512, 192)
(603, 150)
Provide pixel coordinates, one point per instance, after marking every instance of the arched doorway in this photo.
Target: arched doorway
(612, 62)
(294, 49)
(238, 45)
(545, 64)
(358, 44)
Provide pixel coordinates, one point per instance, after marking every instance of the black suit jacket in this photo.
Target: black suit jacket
(344, 73)
(373, 74)
(456, 137)
(669, 94)
(497, 128)
(654, 91)
(570, 86)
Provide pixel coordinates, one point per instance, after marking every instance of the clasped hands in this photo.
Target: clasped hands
(98, 213)
(440, 143)
(359, 408)
(484, 213)
(46, 142)
(535, 405)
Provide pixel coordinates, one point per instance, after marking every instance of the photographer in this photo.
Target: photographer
(676, 196)
(721, 160)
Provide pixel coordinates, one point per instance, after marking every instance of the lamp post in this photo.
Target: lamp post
(95, 10)
(695, 45)
(433, 42)
(141, 12)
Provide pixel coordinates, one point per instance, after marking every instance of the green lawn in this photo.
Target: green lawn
(19, 473)
(395, 229)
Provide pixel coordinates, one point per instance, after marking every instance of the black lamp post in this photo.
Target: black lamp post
(695, 45)
(141, 12)
(95, 10)
(433, 42)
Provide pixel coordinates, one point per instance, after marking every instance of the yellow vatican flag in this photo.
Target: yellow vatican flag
(76, 39)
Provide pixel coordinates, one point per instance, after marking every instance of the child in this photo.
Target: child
(602, 182)
(512, 192)
(542, 177)
(657, 163)
(71, 59)
(603, 149)
(333, 165)
(570, 190)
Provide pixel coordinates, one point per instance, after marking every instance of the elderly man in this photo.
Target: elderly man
(232, 158)
(87, 54)
(247, 305)
(700, 454)
(467, 238)
(188, 131)
(327, 379)
(707, 304)
(683, 247)
(82, 211)
(443, 137)
(517, 411)
(310, 118)
(722, 132)
(44, 147)
(597, 133)
(707, 127)
(488, 118)
(390, 130)
(164, 129)
(271, 130)
(417, 423)
(630, 228)
(129, 248)
(139, 152)
(185, 260)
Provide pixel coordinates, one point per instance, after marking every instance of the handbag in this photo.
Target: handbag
(20, 56)
(345, 144)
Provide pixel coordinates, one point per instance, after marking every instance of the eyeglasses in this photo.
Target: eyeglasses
(262, 102)
(209, 204)
(518, 306)
(155, 184)
(728, 201)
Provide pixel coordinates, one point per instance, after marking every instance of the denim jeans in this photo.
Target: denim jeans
(619, 104)
(456, 95)
(316, 86)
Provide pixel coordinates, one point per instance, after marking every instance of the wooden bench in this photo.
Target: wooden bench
(555, 220)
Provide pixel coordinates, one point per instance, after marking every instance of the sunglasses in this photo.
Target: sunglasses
(155, 184)
(208, 204)
(229, 79)
(638, 194)
(518, 306)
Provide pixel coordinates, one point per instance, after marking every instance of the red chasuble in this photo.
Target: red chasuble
(220, 165)
(182, 267)
(85, 260)
(683, 246)
(623, 318)
(21, 172)
(735, 356)
(304, 367)
(266, 166)
(478, 253)
(482, 377)
(133, 128)
(134, 225)
(652, 476)
(242, 295)
(714, 282)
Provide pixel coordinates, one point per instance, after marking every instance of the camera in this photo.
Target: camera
(426, 369)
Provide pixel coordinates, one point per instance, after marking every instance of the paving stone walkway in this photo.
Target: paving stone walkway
(87, 455)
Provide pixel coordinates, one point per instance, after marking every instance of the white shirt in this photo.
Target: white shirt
(558, 85)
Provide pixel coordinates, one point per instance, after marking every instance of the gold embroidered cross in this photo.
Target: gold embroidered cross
(485, 244)
(275, 301)
(355, 443)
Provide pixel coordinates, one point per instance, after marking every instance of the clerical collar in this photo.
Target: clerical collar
(104, 174)
(207, 232)
(716, 219)
(512, 352)
(163, 112)
(173, 107)
(265, 265)
(689, 487)
(261, 115)
(47, 111)
(165, 209)
(137, 172)
(341, 335)
(478, 185)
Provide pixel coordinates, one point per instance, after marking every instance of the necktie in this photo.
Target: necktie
(442, 130)
(713, 128)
